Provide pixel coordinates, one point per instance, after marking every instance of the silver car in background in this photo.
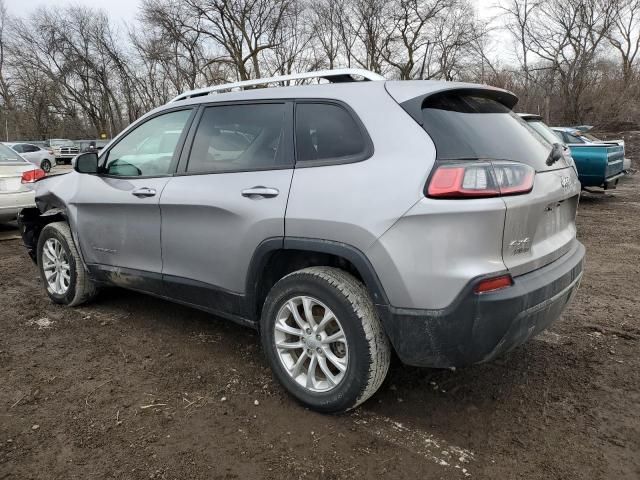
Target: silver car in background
(41, 157)
(344, 221)
(16, 175)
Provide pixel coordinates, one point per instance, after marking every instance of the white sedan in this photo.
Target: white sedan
(41, 157)
(16, 175)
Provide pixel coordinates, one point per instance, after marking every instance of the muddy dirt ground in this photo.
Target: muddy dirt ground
(130, 387)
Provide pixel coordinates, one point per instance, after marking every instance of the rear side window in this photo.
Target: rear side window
(544, 131)
(472, 126)
(328, 132)
(9, 156)
(240, 138)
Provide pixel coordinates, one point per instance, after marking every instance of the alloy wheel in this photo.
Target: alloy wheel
(56, 267)
(311, 344)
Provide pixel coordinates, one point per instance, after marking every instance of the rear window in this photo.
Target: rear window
(471, 126)
(591, 137)
(9, 156)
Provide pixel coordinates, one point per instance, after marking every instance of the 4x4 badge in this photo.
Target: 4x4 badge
(520, 246)
(565, 182)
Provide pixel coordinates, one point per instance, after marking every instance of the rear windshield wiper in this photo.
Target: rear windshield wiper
(557, 152)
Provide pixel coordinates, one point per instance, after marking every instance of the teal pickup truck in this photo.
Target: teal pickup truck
(599, 163)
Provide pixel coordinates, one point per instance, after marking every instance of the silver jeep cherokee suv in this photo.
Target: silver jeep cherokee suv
(344, 221)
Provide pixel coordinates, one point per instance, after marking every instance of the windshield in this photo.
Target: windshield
(61, 143)
(9, 156)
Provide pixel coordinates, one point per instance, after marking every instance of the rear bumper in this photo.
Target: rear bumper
(477, 328)
(12, 203)
(612, 182)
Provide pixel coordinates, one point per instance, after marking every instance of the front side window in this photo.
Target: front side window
(148, 150)
(239, 138)
(326, 131)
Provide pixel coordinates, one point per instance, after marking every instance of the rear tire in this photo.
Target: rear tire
(61, 268)
(346, 371)
(45, 165)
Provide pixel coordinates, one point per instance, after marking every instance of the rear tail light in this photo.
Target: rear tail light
(480, 179)
(31, 176)
(493, 284)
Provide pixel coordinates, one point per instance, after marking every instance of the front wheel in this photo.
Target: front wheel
(61, 268)
(324, 341)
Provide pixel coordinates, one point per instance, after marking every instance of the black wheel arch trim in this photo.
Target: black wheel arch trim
(315, 245)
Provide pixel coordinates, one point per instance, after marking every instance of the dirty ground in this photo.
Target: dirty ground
(131, 387)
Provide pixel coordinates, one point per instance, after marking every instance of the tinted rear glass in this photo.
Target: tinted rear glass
(327, 132)
(240, 138)
(470, 126)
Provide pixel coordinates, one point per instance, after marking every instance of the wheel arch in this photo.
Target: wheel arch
(31, 221)
(276, 257)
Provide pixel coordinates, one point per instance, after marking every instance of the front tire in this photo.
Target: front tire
(61, 268)
(324, 341)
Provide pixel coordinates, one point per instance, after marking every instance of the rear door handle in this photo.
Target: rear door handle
(144, 192)
(260, 191)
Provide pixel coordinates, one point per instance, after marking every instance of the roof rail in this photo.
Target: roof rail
(334, 76)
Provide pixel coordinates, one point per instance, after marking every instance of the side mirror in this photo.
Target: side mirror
(86, 163)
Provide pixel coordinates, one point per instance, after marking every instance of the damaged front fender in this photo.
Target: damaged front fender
(31, 222)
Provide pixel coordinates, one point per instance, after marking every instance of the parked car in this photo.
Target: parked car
(586, 136)
(91, 145)
(63, 149)
(537, 124)
(599, 164)
(41, 157)
(15, 175)
(341, 220)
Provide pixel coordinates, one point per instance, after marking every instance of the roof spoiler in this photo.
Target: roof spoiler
(413, 106)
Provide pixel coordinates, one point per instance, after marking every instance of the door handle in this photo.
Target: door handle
(260, 191)
(144, 192)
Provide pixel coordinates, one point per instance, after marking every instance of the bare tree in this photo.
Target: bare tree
(73, 70)
(565, 36)
(409, 44)
(241, 28)
(326, 17)
(625, 35)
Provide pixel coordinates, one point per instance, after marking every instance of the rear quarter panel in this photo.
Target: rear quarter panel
(356, 203)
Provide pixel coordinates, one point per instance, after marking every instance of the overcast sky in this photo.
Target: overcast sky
(122, 9)
(127, 10)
